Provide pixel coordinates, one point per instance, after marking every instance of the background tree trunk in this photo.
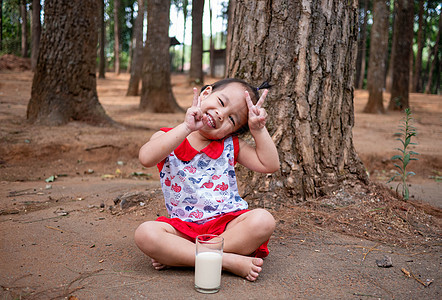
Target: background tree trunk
(401, 65)
(230, 21)
(185, 12)
(378, 51)
(389, 79)
(196, 58)
(420, 46)
(433, 63)
(36, 32)
(310, 106)
(102, 65)
(24, 28)
(362, 51)
(137, 60)
(1, 24)
(156, 94)
(117, 36)
(64, 84)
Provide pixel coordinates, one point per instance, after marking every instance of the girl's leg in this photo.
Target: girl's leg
(242, 237)
(167, 246)
(247, 232)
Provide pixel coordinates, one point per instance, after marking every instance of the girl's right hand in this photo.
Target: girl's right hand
(194, 116)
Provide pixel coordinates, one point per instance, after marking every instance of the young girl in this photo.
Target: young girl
(196, 160)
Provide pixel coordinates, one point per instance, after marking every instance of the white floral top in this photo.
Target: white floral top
(199, 186)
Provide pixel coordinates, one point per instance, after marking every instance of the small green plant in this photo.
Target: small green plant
(407, 132)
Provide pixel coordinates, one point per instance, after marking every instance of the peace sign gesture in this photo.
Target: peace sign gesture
(194, 116)
(257, 114)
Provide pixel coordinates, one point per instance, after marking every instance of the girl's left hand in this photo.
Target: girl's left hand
(257, 114)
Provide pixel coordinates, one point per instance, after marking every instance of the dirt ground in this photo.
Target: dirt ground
(63, 236)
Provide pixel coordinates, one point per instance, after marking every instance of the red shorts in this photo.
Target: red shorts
(214, 226)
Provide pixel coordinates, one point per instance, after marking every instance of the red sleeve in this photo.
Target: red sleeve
(235, 148)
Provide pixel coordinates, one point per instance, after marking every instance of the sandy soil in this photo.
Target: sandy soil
(68, 238)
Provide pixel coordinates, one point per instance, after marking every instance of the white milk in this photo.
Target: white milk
(208, 270)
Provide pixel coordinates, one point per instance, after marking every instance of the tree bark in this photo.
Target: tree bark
(137, 60)
(156, 94)
(420, 45)
(102, 65)
(117, 36)
(24, 28)
(401, 74)
(196, 58)
(433, 63)
(377, 64)
(64, 84)
(363, 49)
(36, 32)
(307, 49)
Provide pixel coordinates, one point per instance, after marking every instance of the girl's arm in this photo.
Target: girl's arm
(161, 144)
(264, 157)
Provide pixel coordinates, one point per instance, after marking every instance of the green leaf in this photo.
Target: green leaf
(413, 153)
(400, 168)
(411, 173)
(392, 178)
(397, 157)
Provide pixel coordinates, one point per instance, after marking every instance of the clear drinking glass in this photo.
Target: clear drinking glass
(208, 263)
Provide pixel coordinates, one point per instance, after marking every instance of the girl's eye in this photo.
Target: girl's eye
(221, 101)
(231, 120)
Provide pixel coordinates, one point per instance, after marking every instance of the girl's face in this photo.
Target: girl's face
(225, 110)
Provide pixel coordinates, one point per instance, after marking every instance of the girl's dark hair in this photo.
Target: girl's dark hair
(253, 92)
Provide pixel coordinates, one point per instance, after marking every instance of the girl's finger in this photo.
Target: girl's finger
(262, 98)
(195, 97)
(248, 101)
(198, 103)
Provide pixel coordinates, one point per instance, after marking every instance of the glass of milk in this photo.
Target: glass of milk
(208, 263)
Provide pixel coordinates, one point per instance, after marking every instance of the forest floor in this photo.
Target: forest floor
(63, 236)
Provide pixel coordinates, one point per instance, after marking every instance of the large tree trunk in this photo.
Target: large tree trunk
(36, 32)
(24, 28)
(362, 51)
(433, 63)
(64, 85)
(196, 58)
(377, 63)
(102, 65)
(420, 47)
(117, 36)
(137, 60)
(156, 94)
(401, 67)
(308, 51)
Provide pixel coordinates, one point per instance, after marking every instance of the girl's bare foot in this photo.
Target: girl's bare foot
(244, 266)
(157, 265)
